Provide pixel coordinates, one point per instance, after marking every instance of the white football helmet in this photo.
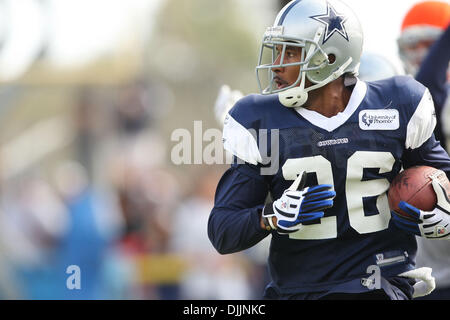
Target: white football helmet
(322, 28)
(375, 66)
(422, 25)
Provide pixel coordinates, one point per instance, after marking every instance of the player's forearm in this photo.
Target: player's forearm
(430, 153)
(235, 230)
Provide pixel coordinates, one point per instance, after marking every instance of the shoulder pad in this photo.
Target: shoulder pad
(239, 131)
(417, 104)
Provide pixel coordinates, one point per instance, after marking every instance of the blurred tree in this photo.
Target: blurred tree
(199, 46)
(200, 38)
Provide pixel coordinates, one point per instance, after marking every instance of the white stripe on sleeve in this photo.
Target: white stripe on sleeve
(240, 142)
(422, 123)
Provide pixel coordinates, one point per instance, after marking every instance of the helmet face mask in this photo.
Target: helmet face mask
(320, 28)
(309, 49)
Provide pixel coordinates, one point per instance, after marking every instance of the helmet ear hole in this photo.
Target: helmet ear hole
(331, 58)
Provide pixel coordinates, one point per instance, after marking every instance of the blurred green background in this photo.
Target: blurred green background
(91, 92)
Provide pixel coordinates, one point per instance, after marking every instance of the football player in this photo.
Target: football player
(424, 46)
(422, 25)
(326, 146)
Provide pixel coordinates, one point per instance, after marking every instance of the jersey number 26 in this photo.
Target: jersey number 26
(355, 189)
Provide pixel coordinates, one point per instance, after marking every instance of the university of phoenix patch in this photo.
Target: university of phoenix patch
(383, 119)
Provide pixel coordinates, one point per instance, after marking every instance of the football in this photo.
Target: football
(413, 185)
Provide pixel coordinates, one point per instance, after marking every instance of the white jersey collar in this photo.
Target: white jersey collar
(332, 123)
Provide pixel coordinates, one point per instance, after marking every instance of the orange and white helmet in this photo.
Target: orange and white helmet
(422, 25)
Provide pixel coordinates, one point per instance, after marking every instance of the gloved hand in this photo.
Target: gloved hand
(225, 101)
(426, 282)
(433, 224)
(298, 205)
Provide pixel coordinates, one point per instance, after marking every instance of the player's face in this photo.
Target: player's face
(286, 76)
(416, 52)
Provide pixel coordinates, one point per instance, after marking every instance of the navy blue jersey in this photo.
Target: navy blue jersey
(433, 75)
(386, 125)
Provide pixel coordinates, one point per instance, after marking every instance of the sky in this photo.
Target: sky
(73, 31)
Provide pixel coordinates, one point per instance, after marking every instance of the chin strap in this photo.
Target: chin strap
(297, 96)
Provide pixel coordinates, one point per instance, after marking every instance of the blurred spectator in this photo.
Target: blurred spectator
(88, 127)
(144, 189)
(208, 275)
(33, 223)
(46, 230)
(147, 194)
(92, 236)
(133, 109)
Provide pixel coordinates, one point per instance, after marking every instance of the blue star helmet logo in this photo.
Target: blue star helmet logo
(333, 21)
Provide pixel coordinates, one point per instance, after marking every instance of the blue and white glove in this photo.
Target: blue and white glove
(433, 224)
(225, 101)
(298, 205)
